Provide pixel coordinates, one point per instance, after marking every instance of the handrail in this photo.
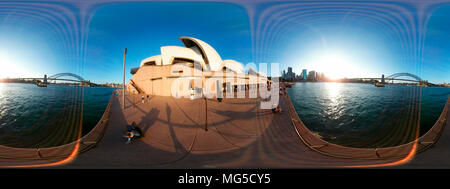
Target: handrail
(334, 150)
(86, 142)
(139, 90)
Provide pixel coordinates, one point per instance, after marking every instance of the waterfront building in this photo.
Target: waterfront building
(304, 75)
(318, 76)
(195, 69)
(289, 76)
(45, 79)
(311, 76)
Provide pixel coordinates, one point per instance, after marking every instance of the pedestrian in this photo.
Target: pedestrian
(133, 132)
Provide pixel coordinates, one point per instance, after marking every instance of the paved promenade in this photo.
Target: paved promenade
(240, 135)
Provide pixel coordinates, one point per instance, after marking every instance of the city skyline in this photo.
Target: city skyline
(300, 74)
(346, 43)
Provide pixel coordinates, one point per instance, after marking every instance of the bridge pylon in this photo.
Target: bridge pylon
(45, 78)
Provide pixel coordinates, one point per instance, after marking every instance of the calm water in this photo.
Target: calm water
(362, 115)
(32, 116)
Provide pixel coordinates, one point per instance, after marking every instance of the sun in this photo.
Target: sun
(7, 68)
(334, 65)
(3, 68)
(4, 65)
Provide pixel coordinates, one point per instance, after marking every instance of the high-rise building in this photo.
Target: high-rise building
(290, 74)
(320, 76)
(311, 76)
(324, 77)
(304, 75)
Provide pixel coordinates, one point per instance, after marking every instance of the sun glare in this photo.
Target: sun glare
(334, 65)
(7, 69)
(3, 68)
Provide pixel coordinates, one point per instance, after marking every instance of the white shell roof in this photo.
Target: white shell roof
(210, 55)
(169, 52)
(233, 65)
(197, 50)
(156, 58)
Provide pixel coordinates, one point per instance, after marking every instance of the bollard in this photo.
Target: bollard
(38, 151)
(376, 153)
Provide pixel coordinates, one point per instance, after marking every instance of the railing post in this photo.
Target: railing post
(38, 151)
(376, 153)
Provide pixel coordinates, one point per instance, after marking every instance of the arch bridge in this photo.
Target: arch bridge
(58, 77)
(391, 78)
(395, 77)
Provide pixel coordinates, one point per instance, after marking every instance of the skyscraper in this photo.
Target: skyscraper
(290, 74)
(304, 75)
(312, 76)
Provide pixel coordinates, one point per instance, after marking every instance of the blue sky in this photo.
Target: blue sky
(359, 41)
(143, 28)
(436, 65)
(27, 50)
(337, 43)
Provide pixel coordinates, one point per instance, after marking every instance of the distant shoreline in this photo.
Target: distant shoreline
(69, 84)
(366, 82)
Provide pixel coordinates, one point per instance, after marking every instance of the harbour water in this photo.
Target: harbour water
(32, 116)
(362, 115)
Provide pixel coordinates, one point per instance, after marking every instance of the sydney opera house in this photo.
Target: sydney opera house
(193, 70)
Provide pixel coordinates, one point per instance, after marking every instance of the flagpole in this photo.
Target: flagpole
(123, 84)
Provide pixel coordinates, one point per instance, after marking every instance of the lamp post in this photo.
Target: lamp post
(123, 84)
(206, 102)
(206, 114)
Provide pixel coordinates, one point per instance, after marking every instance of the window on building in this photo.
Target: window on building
(182, 60)
(177, 72)
(151, 63)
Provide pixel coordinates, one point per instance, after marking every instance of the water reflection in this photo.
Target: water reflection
(333, 90)
(362, 115)
(2, 108)
(33, 116)
(333, 103)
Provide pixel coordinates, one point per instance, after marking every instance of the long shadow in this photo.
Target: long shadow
(187, 116)
(234, 114)
(198, 124)
(178, 145)
(132, 104)
(135, 104)
(149, 119)
(112, 142)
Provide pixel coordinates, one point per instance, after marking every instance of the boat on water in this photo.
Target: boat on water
(40, 84)
(379, 85)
